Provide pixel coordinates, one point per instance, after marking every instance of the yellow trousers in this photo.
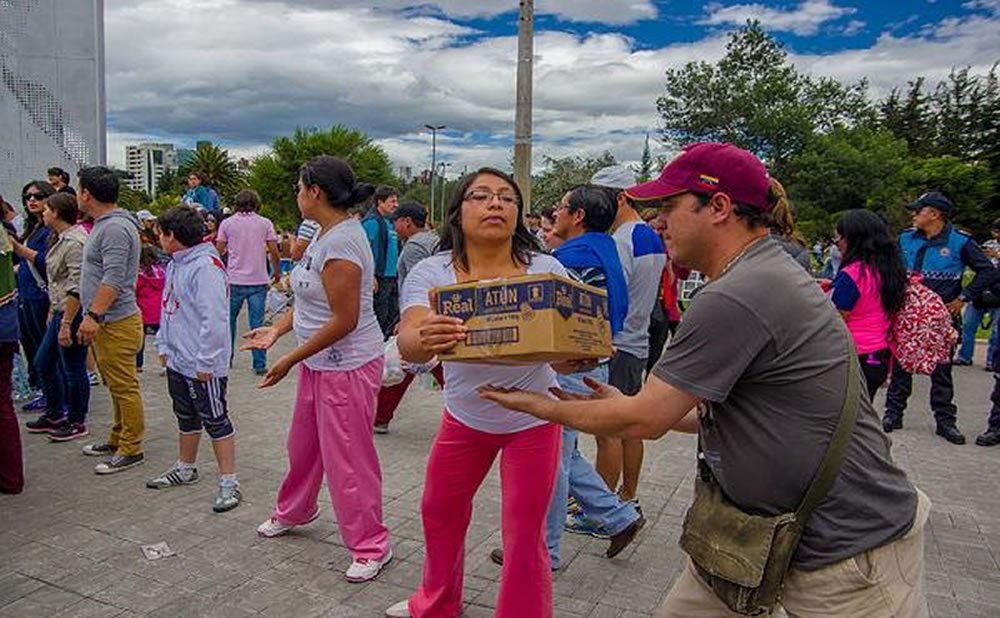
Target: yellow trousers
(115, 347)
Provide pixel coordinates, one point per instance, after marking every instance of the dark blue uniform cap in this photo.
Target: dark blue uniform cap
(934, 199)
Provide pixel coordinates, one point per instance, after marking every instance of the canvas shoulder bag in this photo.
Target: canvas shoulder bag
(744, 558)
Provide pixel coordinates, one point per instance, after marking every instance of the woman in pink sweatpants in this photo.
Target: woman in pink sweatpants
(340, 351)
(484, 238)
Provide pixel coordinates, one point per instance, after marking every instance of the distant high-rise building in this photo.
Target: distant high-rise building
(52, 110)
(405, 173)
(146, 164)
(184, 156)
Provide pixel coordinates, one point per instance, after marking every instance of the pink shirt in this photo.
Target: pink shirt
(246, 235)
(149, 294)
(867, 320)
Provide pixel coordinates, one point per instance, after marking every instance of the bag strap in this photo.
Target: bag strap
(834, 457)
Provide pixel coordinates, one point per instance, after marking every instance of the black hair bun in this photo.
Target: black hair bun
(361, 192)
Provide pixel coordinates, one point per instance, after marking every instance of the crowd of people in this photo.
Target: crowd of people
(783, 405)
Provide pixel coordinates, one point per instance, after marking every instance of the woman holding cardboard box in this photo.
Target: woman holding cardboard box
(484, 237)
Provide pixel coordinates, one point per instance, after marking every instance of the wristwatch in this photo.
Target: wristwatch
(93, 315)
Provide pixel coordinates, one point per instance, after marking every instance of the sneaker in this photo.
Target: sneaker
(382, 428)
(950, 433)
(572, 506)
(93, 378)
(174, 477)
(69, 431)
(272, 527)
(363, 570)
(497, 557)
(399, 610)
(622, 540)
(44, 424)
(260, 372)
(100, 450)
(961, 362)
(227, 498)
(119, 463)
(38, 404)
(578, 524)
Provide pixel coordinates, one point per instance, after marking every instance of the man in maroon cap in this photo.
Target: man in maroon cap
(759, 370)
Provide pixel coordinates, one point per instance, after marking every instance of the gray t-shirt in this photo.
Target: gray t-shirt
(111, 257)
(764, 347)
(418, 247)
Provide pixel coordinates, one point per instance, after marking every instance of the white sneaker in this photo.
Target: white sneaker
(366, 570)
(399, 610)
(272, 527)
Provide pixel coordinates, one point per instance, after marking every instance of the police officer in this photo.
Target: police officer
(937, 251)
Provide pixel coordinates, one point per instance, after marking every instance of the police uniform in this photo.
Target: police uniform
(940, 260)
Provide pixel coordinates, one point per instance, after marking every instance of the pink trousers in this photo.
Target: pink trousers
(459, 461)
(332, 434)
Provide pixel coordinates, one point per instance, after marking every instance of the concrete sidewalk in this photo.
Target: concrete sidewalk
(69, 545)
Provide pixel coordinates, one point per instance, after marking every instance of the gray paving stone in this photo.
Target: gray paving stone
(70, 545)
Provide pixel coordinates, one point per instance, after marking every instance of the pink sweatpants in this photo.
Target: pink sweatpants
(332, 433)
(459, 461)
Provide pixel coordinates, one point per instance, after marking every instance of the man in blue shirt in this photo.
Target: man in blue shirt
(938, 252)
(385, 249)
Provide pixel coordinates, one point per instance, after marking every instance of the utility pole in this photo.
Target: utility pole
(444, 186)
(434, 133)
(522, 114)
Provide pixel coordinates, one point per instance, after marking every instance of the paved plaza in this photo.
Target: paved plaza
(70, 544)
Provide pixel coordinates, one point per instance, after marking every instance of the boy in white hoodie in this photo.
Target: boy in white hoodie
(194, 345)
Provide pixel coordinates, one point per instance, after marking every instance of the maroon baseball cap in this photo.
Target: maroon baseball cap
(707, 168)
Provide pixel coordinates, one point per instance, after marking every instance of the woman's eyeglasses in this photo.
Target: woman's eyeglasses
(34, 196)
(483, 197)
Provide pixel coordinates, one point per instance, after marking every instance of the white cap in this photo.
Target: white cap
(616, 177)
(144, 215)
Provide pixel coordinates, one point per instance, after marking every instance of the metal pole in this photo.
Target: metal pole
(522, 114)
(434, 129)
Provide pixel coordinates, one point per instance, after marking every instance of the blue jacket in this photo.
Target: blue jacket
(27, 285)
(194, 324)
(942, 259)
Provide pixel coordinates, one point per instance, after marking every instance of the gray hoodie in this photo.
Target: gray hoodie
(418, 247)
(111, 257)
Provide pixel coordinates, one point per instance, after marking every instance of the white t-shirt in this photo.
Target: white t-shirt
(462, 380)
(344, 241)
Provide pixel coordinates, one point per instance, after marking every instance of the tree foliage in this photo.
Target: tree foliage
(218, 167)
(272, 175)
(754, 98)
(562, 174)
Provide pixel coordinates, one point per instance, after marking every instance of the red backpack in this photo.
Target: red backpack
(923, 333)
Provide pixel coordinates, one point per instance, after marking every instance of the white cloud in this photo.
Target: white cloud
(805, 19)
(240, 72)
(853, 27)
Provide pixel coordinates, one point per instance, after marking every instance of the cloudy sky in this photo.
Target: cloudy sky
(240, 72)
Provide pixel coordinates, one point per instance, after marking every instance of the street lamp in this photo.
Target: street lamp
(434, 129)
(444, 183)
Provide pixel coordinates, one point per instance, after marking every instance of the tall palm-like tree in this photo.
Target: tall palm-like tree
(220, 170)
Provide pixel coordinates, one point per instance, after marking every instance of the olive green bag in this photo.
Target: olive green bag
(743, 557)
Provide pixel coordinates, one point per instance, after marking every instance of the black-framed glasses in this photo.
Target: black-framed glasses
(37, 196)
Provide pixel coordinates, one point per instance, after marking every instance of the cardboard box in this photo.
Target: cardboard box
(528, 319)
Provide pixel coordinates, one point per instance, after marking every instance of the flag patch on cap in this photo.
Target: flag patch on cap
(708, 181)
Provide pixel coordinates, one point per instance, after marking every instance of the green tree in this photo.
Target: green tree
(911, 117)
(217, 166)
(561, 174)
(272, 175)
(754, 97)
(170, 182)
(849, 168)
(645, 170)
(969, 185)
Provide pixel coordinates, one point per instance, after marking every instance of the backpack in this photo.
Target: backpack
(923, 333)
